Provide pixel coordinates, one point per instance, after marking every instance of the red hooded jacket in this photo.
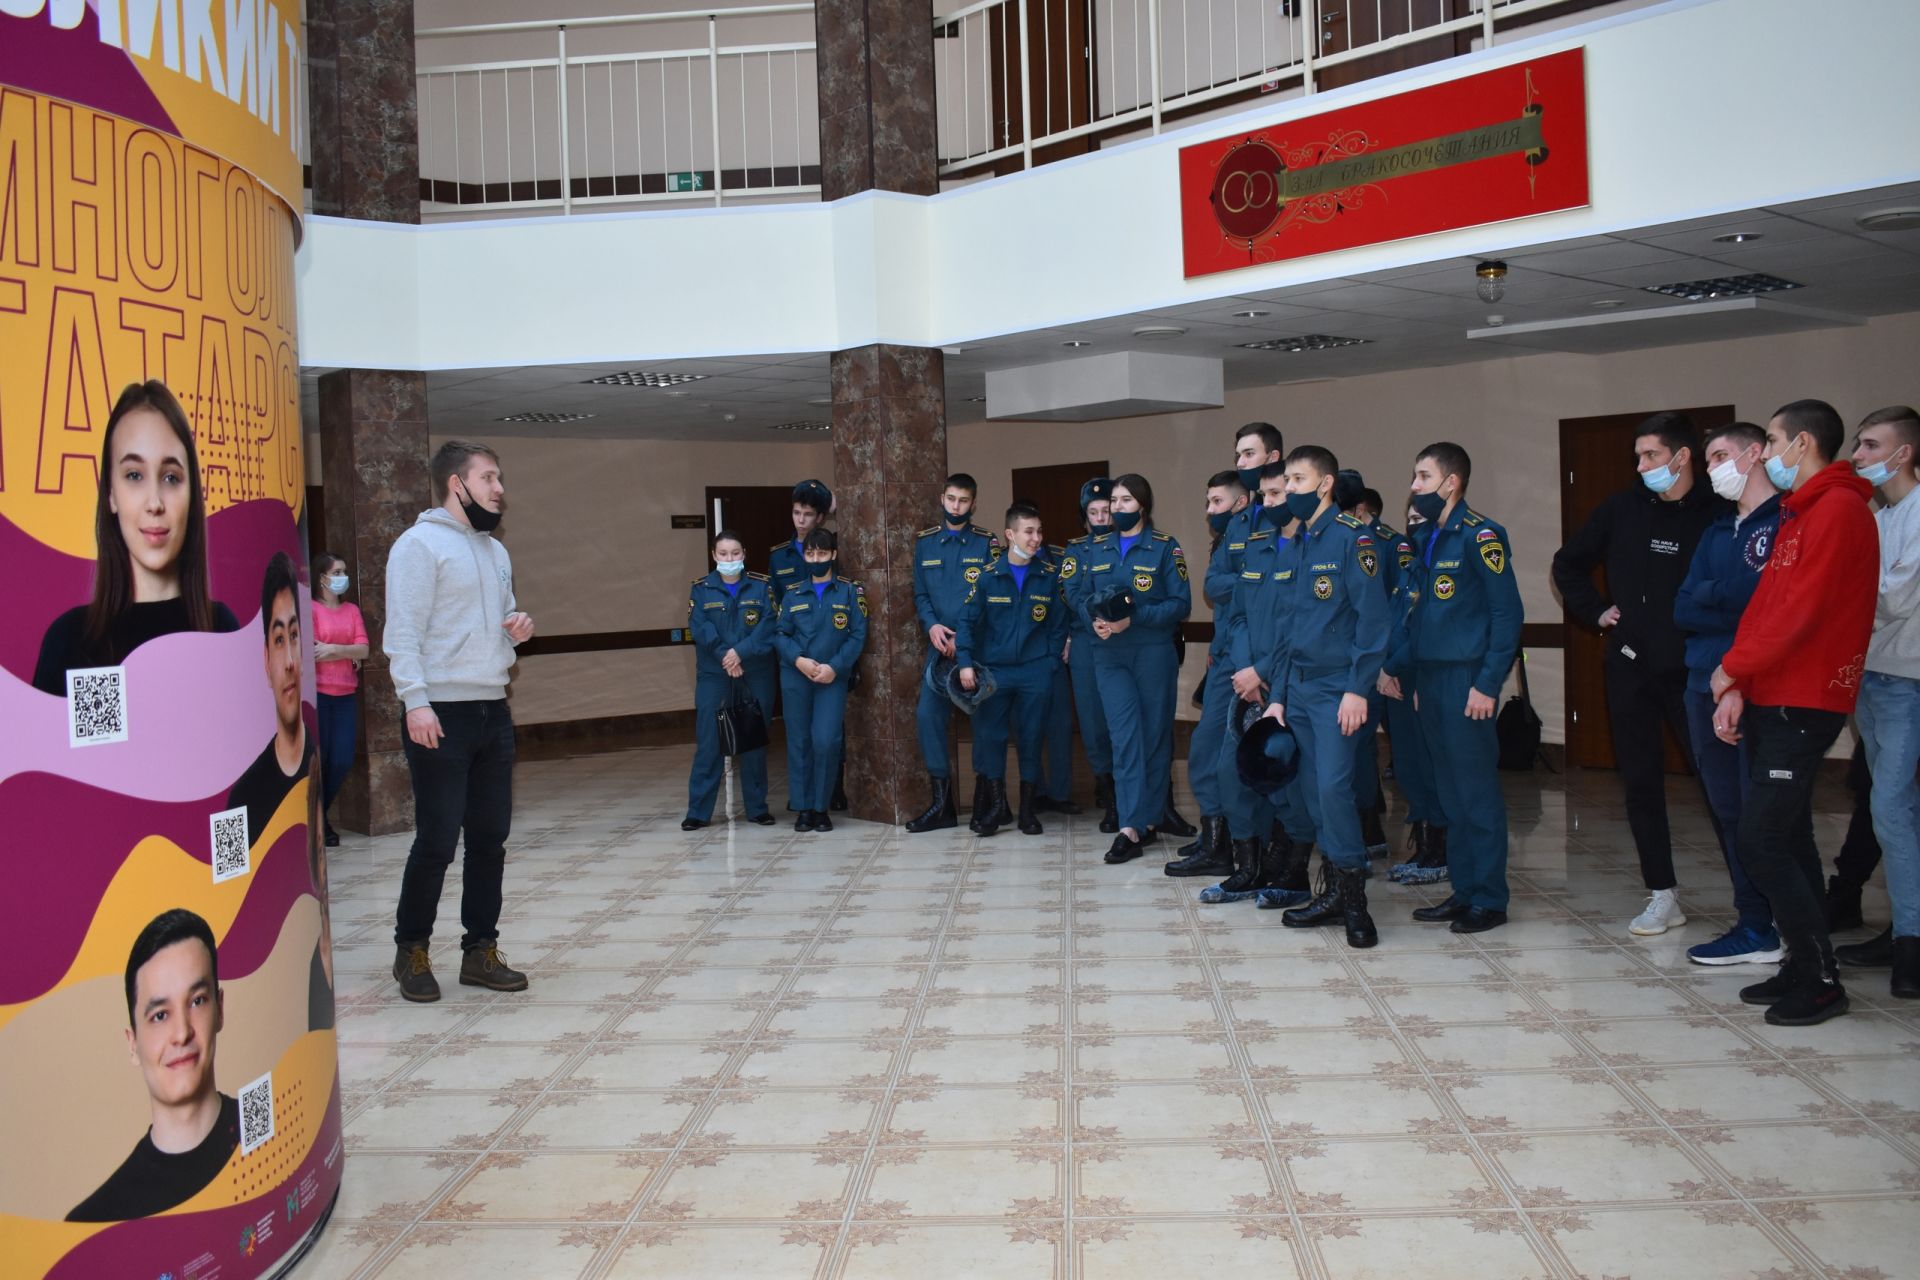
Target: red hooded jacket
(1803, 638)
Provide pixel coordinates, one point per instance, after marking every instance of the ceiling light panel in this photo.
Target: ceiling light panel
(642, 378)
(1305, 342)
(548, 418)
(1723, 287)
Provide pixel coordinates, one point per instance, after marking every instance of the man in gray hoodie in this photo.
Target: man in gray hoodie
(452, 625)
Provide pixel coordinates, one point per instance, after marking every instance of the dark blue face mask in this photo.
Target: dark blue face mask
(1428, 506)
(1301, 506)
(953, 521)
(820, 569)
(1274, 515)
(1124, 521)
(1249, 479)
(1219, 520)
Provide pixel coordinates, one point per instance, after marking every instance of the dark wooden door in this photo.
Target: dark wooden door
(1059, 72)
(1056, 491)
(1351, 24)
(761, 514)
(1596, 461)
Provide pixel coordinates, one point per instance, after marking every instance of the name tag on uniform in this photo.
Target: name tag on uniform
(999, 599)
(1098, 567)
(1446, 564)
(931, 564)
(973, 559)
(1329, 567)
(1252, 574)
(796, 608)
(714, 604)
(1041, 599)
(1236, 546)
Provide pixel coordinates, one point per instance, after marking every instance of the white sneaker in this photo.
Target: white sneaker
(1662, 913)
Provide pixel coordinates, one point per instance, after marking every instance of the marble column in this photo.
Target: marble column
(877, 131)
(373, 422)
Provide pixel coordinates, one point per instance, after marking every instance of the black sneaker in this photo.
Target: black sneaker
(484, 966)
(414, 972)
(333, 837)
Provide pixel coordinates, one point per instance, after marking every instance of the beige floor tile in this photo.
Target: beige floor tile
(1132, 1179)
(429, 1121)
(855, 981)
(974, 1115)
(1172, 1112)
(594, 1118)
(435, 1250)
(1139, 975)
(1153, 1057)
(672, 1019)
(1718, 1094)
(793, 1117)
(1127, 1249)
(1603, 1168)
(1677, 1243)
(1497, 1048)
(536, 1022)
(642, 1064)
(1477, 1002)
(394, 1188)
(952, 1014)
(476, 1065)
(1324, 1053)
(685, 1251)
(889, 1250)
(1351, 1106)
(814, 1063)
(545, 1186)
(974, 1182)
(984, 1061)
(1004, 978)
(1530, 1102)
(1856, 1237)
(710, 982)
(1386, 1174)
(1813, 1160)
(1433, 1248)
(1147, 1012)
(750, 1185)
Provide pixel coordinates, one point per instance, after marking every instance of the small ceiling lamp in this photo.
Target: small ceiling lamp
(1490, 281)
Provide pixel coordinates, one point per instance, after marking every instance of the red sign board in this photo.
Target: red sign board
(1485, 148)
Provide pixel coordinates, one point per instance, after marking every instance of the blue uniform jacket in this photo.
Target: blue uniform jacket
(1223, 570)
(786, 566)
(1396, 553)
(721, 620)
(946, 563)
(1153, 572)
(1339, 608)
(1720, 580)
(1073, 585)
(1003, 623)
(1463, 604)
(829, 628)
(1257, 618)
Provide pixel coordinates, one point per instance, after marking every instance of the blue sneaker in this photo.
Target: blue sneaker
(1739, 945)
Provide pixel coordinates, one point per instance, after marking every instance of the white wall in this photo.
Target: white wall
(1506, 413)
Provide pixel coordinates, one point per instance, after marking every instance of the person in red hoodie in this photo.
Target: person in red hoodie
(1795, 670)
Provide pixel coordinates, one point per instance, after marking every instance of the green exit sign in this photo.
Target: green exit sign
(686, 182)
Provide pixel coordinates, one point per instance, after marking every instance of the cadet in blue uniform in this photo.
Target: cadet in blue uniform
(1460, 637)
(1352, 497)
(1336, 638)
(1256, 446)
(1014, 625)
(787, 562)
(1412, 762)
(947, 560)
(1056, 738)
(1092, 717)
(823, 628)
(732, 617)
(1134, 659)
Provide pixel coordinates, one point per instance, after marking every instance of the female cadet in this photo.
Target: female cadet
(731, 616)
(1134, 660)
(823, 628)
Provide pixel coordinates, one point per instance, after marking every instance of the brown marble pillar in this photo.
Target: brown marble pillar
(373, 422)
(877, 131)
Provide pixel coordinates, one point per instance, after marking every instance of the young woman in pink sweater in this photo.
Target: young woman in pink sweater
(340, 646)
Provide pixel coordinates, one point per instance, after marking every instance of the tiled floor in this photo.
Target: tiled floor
(752, 1053)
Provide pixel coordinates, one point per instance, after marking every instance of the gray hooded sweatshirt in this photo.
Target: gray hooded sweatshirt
(449, 588)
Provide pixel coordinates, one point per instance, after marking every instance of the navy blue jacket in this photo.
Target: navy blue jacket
(1339, 606)
(1153, 572)
(721, 620)
(1223, 569)
(1463, 604)
(829, 628)
(786, 565)
(1720, 580)
(1004, 623)
(1256, 622)
(946, 564)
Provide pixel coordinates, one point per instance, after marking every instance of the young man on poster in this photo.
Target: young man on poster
(288, 756)
(452, 625)
(174, 1016)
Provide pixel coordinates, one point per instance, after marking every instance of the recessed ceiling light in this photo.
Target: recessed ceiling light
(641, 378)
(1738, 237)
(1158, 332)
(1305, 342)
(1723, 287)
(1076, 342)
(1602, 304)
(1251, 315)
(1889, 220)
(548, 418)
(806, 425)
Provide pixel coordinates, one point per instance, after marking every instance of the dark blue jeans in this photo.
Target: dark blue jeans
(1723, 775)
(464, 784)
(339, 731)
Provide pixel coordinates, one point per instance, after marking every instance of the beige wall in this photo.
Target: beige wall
(1506, 412)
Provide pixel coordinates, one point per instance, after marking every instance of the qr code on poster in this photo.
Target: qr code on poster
(230, 844)
(256, 1113)
(96, 706)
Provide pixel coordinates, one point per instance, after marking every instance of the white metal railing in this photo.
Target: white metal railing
(1012, 76)
(700, 123)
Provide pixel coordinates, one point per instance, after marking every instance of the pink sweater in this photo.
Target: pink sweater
(337, 624)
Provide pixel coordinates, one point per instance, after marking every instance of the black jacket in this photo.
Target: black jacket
(1645, 546)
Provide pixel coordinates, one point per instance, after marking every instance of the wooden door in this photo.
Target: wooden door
(1350, 24)
(1059, 72)
(1056, 492)
(1596, 461)
(761, 514)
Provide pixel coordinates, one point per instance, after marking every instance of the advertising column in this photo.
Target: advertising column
(169, 1098)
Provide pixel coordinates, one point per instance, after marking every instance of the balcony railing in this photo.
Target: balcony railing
(705, 124)
(1018, 76)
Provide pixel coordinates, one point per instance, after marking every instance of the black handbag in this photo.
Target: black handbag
(1518, 726)
(742, 722)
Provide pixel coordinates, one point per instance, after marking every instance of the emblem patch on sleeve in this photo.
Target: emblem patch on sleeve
(1494, 556)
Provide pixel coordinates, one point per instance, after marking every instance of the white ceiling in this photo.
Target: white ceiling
(1415, 317)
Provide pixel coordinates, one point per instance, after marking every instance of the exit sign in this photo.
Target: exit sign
(686, 182)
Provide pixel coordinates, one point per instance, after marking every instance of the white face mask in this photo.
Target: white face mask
(1016, 555)
(338, 584)
(1728, 480)
(730, 568)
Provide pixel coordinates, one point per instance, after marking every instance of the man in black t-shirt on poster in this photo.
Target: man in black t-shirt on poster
(289, 755)
(174, 1015)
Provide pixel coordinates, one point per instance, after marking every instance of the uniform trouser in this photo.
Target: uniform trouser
(1723, 775)
(1412, 763)
(1888, 717)
(1020, 703)
(710, 694)
(1137, 687)
(1639, 701)
(1203, 749)
(1465, 755)
(816, 718)
(1056, 737)
(1087, 709)
(1784, 748)
(1327, 765)
(932, 721)
(1366, 756)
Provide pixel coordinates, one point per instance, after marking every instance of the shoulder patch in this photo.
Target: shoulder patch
(1083, 538)
(929, 531)
(977, 529)
(757, 577)
(776, 546)
(1471, 519)
(1162, 537)
(1348, 521)
(702, 578)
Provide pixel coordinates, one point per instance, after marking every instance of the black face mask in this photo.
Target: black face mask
(1125, 521)
(953, 521)
(820, 569)
(1250, 479)
(1219, 520)
(478, 516)
(1428, 506)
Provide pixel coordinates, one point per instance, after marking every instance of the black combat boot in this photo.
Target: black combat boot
(1875, 953)
(1906, 968)
(1843, 905)
(839, 801)
(1371, 833)
(940, 811)
(992, 805)
(982, 804)
(1002, 814)
(1029, 824)
(1211, 854)
(1109, 808)
(1323, 908)
(1287, 861)
(1429, 866)
(1173, 824)
(1352, 889)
